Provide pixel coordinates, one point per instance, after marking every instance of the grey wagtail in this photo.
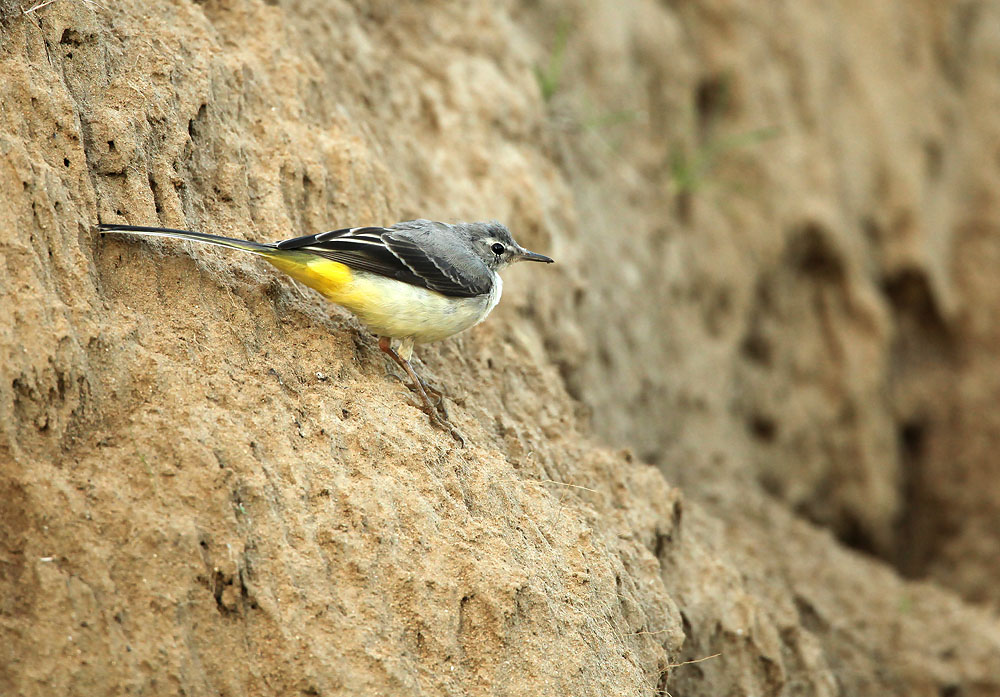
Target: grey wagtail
(416, 281)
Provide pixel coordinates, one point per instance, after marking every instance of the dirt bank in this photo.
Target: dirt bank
(209, 484)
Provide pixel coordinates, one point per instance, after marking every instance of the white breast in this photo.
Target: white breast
(401, 310)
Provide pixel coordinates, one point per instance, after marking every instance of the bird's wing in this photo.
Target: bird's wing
(393, 254)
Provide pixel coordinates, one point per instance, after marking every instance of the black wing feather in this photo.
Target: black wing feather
(378, 250)
(437, 273)
(345, 237)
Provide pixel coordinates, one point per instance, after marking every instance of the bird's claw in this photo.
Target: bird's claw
(435, 398)
(442, 422)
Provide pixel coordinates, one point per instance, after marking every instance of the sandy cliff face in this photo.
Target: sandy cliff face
(813, 191)
(210, 484)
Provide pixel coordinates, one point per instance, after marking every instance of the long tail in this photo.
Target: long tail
(245, 245)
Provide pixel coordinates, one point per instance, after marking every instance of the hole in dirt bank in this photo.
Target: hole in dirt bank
(194, 125)
(157, 203)
(763, 428)
(924, 357)
(71, 37)
(856, 536)
(811, 251)
(713, 98)
(918, 530)
(913, 300)
(912, 440)
(757, 349)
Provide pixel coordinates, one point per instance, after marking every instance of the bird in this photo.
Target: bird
(415, 282)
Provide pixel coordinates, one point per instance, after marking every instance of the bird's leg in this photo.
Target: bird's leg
(385, 344)
(405, 352)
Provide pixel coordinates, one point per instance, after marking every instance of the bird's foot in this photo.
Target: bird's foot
(444, 424)
(435, 410)
(437, 396)
(437, 415)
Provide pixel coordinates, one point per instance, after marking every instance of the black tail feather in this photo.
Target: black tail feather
(232, 242)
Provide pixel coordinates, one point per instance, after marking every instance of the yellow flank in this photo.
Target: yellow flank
(389, 307)
(331, 278)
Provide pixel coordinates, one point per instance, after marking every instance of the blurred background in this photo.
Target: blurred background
(787, 216)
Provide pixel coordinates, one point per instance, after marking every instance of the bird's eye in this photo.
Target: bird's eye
(497, 248)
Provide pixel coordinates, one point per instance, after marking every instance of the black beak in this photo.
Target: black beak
(525, 255)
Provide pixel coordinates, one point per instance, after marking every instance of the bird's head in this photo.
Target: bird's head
(493, 243)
